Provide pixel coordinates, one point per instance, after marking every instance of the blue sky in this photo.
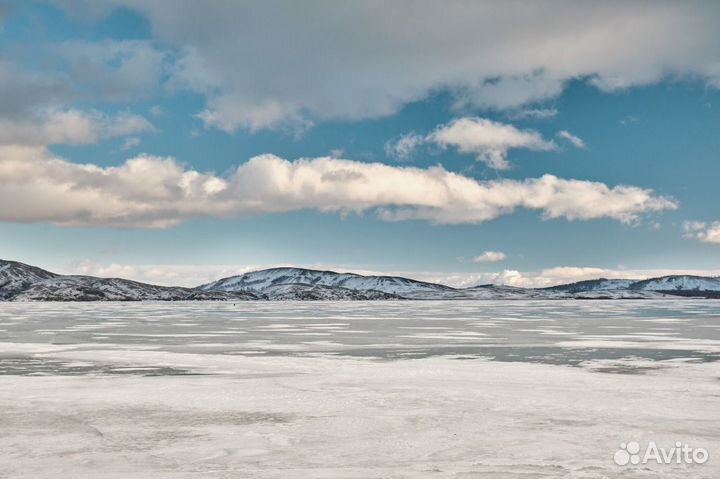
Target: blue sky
(398, 145)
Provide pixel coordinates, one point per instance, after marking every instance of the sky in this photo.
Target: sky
(523, 143)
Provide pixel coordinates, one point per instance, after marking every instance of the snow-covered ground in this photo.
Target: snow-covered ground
(291, 390)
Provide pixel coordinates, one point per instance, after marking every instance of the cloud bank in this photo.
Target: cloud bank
(156, 192)
(36, 103)
(70, 127)
(262, 64)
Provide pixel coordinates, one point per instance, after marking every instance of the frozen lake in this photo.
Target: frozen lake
(506, 389)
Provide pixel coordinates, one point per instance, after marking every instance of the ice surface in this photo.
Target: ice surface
(541, 329)
(392, 390)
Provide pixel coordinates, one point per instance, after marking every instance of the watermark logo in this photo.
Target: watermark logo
(631, 453)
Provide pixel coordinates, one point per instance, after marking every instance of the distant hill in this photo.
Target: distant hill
(22, 282)
(260, 281)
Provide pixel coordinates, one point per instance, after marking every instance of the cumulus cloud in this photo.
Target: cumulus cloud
(34, 106)
(488, 54)
(702, 231)
(113, 70)
(488, 140)
(147, 191)
(577, 142)
(62, 73)
(489, 257)
(403, 147)
(24, 91)
(71, 126)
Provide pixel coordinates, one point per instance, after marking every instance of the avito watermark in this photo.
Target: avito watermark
(633, 453)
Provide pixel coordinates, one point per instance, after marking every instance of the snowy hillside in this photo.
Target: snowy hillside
(490, 291)
(16, 277)
(88, 288)
(306, 292)
(601, 284)
(678, 283)
(612, 294)
(284, 283)
(494, 291)
(21, 282)
(261, 280)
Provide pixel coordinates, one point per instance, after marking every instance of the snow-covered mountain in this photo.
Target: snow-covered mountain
(684, 283)
(601, 284)
(316, 292)
(608, 294)
(261, 280)
(299, 283)
(21, 282)
(88, 288)
(16, 277)
(569, 291)
(676, 285)
(496, 291)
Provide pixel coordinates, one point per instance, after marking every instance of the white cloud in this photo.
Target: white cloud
(72, 127)
(187, 275)
(130, 143)
(147, 191)
(403, 147)
(534, 113)
(629, 120)
(574, 140)
(259, 66)
(487, 139)
(122, 124)
(34, 106)
(571, 274)
(113, 70)
(705, 232)
(510, 91)
(489, 257)
(24, 91)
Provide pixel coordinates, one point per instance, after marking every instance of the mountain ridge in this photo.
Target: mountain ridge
(261, 279)
(22, 282)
